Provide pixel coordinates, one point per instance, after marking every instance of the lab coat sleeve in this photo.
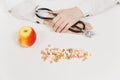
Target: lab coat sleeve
(92, 7)
(26, 10)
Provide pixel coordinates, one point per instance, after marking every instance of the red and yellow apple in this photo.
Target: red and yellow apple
(26, 36)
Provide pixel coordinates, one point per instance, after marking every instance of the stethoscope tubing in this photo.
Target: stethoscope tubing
(80, 30)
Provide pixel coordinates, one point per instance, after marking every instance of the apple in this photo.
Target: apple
(26, 36)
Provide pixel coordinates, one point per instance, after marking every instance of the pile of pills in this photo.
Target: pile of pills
(53, 54)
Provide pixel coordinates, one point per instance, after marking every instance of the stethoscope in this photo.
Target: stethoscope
(74, 28)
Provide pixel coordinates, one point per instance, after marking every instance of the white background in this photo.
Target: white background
(17, 63)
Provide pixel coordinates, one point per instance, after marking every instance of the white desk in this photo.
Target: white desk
(17, 63)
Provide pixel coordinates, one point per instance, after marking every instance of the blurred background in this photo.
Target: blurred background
(18, 63)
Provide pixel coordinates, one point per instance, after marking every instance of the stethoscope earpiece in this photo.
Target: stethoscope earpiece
(74, 28)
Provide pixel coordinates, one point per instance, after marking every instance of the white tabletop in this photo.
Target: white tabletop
(18, 63)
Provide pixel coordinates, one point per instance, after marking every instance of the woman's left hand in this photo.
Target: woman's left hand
(65, 19)
(88, 26)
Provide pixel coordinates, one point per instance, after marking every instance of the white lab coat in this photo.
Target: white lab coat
(92, 7)
(26, 9)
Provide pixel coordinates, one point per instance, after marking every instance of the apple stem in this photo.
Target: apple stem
(25, 30)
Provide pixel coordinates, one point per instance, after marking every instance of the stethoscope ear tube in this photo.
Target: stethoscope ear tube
(41, 17)
(79, 30)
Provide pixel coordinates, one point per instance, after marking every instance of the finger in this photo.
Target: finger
(62, 26)
(48, 22)
(88, 26)
(55, 20)
(67, 27)
(57, 25)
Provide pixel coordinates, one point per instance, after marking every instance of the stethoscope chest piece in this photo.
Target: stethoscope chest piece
(89, 34)
(42, 13)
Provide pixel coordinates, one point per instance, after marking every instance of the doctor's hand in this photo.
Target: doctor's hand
(65, 19)
(87, 25)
